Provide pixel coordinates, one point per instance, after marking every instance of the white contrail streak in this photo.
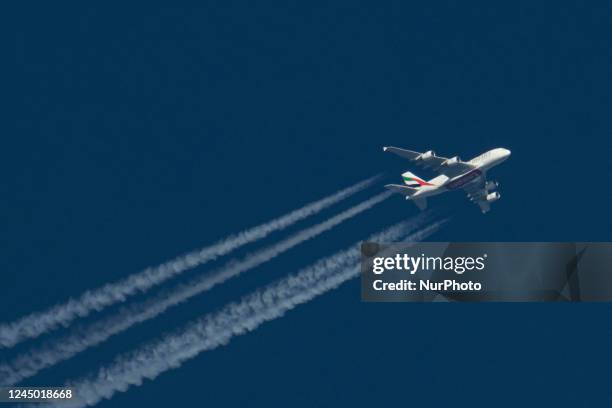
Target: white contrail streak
(63, 348)
(37, 323)
(217, 329)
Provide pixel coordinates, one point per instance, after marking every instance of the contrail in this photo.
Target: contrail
(217, 329)
(37, 323)
(63, 348)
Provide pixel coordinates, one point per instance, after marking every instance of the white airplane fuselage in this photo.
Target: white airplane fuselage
(482, 163)
(453, 174)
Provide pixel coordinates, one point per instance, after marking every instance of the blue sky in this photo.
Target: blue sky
(135, 134)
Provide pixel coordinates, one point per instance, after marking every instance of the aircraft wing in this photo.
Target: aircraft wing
(476, 192)
(429, 160)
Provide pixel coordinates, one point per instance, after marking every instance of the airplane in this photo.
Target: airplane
(471, 176)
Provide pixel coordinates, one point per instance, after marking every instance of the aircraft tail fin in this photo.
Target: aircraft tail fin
(420, 202)
(411, 180)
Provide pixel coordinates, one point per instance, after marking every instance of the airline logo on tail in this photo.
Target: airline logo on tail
(413, 181)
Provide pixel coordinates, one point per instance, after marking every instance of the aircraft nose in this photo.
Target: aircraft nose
(506, 152)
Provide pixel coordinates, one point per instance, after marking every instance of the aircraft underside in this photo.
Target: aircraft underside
(454, 174)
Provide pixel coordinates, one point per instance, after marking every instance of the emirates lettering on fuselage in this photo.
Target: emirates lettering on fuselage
(463, 180)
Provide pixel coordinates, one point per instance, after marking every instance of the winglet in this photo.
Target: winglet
(385, 148)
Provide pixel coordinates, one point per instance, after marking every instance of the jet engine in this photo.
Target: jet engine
(427, 155)
(493, 197)
(451, 161)
(491, 185)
